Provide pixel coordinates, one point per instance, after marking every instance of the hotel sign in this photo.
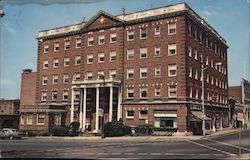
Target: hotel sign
(195, 107)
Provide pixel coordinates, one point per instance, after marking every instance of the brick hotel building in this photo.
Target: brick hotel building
(143, 67)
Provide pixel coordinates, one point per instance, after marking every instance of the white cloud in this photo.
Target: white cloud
(209, 13)
(4, 82)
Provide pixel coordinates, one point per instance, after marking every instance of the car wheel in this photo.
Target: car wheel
(11, 137)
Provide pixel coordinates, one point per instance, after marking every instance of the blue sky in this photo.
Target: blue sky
(23, 21)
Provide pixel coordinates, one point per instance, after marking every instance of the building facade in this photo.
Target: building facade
(9, 113)
(143, 67)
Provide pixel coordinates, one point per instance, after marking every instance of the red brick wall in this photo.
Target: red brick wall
(236, 92)
(28, 88)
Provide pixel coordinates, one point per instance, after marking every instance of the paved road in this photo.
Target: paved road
(219, 147)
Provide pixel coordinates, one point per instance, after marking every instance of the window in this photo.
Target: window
(46, 48)
(77, 60)
(172, 70)
(90, 41)
(143, 114)
(130, 114)
(190, 72)
(67, 45)
(196, 94)
(207, 78)
(196, 74)
(157, 71)
(130, 73)
(130, 54)
(77, 95)
(189, 51)
(101, 39)
(130, 93)
(189, 29)
(207, 61)
(101, 58)
(57, 119)
(45, 64)
(44, 80)
(157, 51)
(78, 43)
(143, 92)
(143, 53)
(112, 73)
(54, 95)
(99, 73)
(143, 33)
(44, 96)
(190, 93)
(212, 80)
(89, 75)
(171, 28)
(157, 91)
(77, 76)
(90, 59)
(40, 118)
(212, 63)
(56, 47)
(66, 62)
(65, 95)
(112, 37)
(201, 58)
(143, 72)
(29, 118)
(172, 49)
(112, 55)
(22, 119)
(157, 30)
(172, 91)
(55, 79)
(55, 63)
(195, 54)
(65, 78)
(130, 35)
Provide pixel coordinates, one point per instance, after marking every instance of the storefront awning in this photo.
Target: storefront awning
(198, 116)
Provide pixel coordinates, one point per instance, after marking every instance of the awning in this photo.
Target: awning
(197, 116)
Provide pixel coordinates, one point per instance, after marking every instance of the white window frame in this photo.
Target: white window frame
(37, 118)
(190, 74)
(46, 48)
(55, 79)
(195, 54)
(65, 93)
(56, 45)
(112, 35)
(130, 117)
(172, 90)
(77, 60)
(90, 56)
(190, 92)
(55, 61)
(130, 53)
(90, 41)
(45, 64)
(99, 73)
(157, 71)
(157, 51)
(112, 73)
(143, 70)
(66, 62)
(67, 45)
(142, 30)
(170, 48)
(189, 51)
(172, 67)
(130, 33)
(143, 89)
(171, 26)
(157, 31)
(142, 116)
(77, 76)
(89, 75)
(29, 119)
(157, 90)
(130, 71)
(44, 96)
(65, 78)
(143, 51)
(130, 90)
(78, 43)
(22, 119)
(53, 93)
(101, 39)
(196, 74)
(112, 56)
(101, 55)
(44, 80)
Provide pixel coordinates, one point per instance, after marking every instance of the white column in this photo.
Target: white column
(84, 108)
(72, 105)
(97, 110)
(119, 109)
(221, 127)
(80, 115)
(214, 121)
(110, 103)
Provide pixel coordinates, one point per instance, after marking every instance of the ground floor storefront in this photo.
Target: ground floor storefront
(9, 121)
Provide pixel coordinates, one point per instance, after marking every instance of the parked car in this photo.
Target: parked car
(11, 133)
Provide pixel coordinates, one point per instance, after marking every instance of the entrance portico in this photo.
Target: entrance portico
(100, 98)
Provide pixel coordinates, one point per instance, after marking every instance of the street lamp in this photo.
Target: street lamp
(203, 98)
(103, 105)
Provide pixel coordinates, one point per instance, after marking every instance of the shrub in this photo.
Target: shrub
(144, 129)
(116, 128)
(43, 133)
(31, 133)
(74, 128)
(60, 131)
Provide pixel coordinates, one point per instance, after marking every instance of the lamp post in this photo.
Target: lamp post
(203, 98)
(103, 105)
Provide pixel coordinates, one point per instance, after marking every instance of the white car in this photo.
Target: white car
(11, 133)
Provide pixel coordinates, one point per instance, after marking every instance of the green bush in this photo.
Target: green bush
(60, 131)
(31, 133)
(43, 133)
(144, 129)
(116, 128)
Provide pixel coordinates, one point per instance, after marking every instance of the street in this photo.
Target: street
(225, 146)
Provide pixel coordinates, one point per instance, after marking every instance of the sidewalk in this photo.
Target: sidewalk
(177, 136)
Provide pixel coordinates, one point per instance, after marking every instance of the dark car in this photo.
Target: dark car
(11, 133)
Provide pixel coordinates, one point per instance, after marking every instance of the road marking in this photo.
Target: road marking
(76, 153)
(116, 153)
(128, 154)
(229, 144)
(212, 148)
(142, 154)
(59, 149)
(155, 154)
(88, 153)
(103, 153)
